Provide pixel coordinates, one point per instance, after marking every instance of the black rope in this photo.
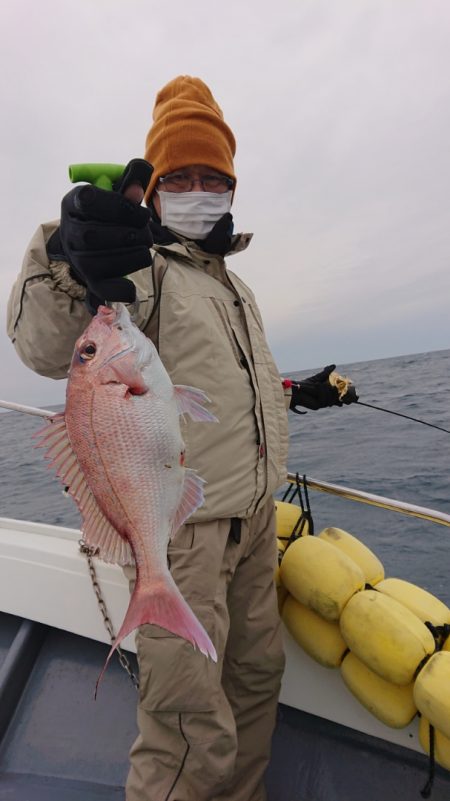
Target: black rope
(305, 487)
(440, 634)
(292, 491)
(295, 491)
(306, 514)
(426, 791)
(305, 517)
(308, 510)
(421, 664)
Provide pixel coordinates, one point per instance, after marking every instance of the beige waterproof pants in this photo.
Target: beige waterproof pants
(205, 728)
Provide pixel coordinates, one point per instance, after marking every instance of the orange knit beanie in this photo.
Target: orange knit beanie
(188, 128)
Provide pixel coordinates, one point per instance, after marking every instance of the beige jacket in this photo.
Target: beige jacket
(207, 327)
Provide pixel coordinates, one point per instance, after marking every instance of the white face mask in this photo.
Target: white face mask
(193, 214)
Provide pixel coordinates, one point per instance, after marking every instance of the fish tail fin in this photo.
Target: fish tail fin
(163, 606)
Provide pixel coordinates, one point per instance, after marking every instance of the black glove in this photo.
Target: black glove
(316, 392)
(218, 241)
(104, 236)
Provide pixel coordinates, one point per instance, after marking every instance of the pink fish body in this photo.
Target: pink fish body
(118, 448)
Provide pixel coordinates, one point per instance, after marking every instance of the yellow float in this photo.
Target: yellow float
(378, 637)
(386, 636)
(320, 638)
(369, 563)
(320, 576)
(287, 516)
(422, 603)
(392, 704)
(432, 691)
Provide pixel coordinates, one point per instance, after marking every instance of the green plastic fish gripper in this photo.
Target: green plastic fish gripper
(101, 175)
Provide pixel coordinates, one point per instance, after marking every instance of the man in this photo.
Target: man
(205, 728)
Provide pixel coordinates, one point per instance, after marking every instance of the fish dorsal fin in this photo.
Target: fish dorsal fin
(96, 529)
(191, 498)
(191, 401)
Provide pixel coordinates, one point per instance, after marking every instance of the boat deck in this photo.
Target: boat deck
(57, 742)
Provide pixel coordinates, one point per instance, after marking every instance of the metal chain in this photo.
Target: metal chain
(89, 552)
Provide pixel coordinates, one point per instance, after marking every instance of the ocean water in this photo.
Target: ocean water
(355, 446)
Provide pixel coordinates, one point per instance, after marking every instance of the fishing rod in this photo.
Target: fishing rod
(19, 407)
(399, 414)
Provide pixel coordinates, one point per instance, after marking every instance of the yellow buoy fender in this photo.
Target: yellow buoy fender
(369, 563)
(386, 636)
(287, 515)
(320, 638)
(441, 743)
(422, 603)
(432, 691)
(390, 703)
(320, 576)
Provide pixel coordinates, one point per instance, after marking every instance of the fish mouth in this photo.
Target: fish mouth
(114, 314)
(107, 314)
(118, 318)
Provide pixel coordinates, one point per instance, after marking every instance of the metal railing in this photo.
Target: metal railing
(368, 498)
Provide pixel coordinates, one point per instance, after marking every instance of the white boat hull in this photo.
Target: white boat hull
(45, 578)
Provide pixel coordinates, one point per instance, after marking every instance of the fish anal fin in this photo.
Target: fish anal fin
(191, 499)
(191, 401)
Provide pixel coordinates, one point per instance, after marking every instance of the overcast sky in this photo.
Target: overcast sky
(341, 112)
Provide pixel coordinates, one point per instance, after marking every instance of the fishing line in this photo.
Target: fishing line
(399, 414)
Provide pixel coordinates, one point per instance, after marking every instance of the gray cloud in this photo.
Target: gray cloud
(341, 114)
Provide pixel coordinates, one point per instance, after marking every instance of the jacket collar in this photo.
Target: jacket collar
(192, 251)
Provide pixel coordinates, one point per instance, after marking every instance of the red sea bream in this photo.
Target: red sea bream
(118, 448)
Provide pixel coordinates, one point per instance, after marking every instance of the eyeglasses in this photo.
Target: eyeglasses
(183, 182)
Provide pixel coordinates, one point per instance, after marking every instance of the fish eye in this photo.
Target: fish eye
(88, 351)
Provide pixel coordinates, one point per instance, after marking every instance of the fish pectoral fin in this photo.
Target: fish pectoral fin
(191, 499)
(96, 529)
(191, 401)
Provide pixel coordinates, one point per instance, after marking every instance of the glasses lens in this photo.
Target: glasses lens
(177, 182)
(182, 182)
(215, 183)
